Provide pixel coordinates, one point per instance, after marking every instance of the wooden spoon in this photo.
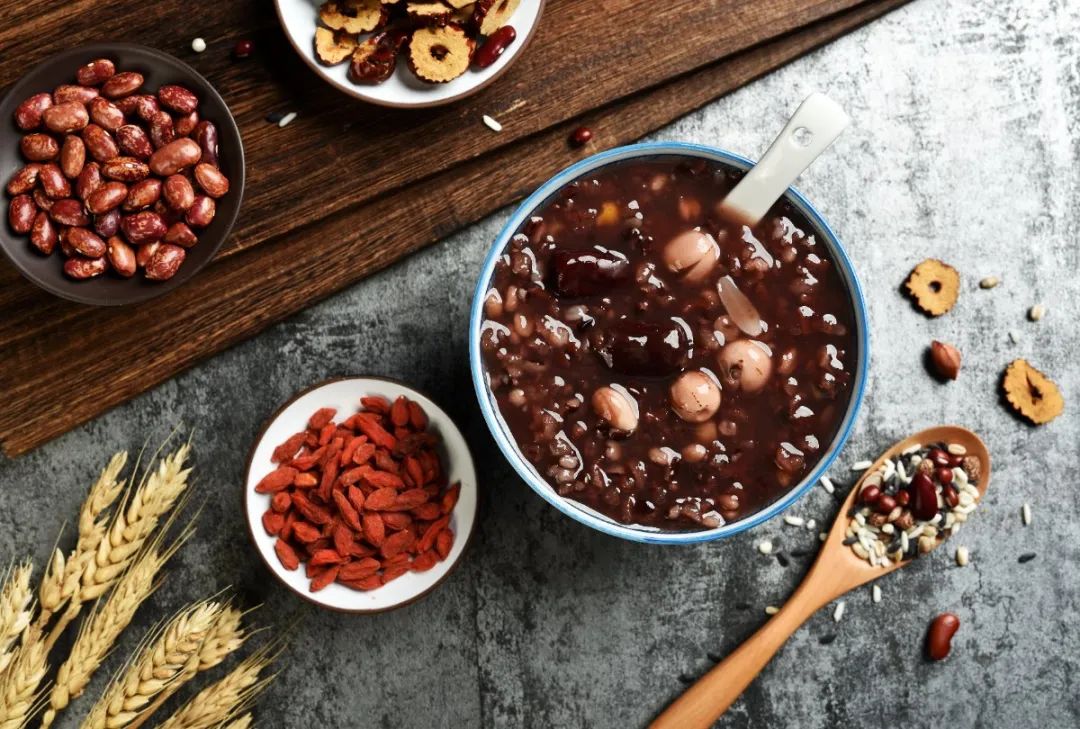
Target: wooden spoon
(836, 571)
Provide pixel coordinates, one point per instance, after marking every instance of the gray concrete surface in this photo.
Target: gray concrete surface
(966, 146)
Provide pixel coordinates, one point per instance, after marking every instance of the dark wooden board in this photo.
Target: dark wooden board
(351, 183)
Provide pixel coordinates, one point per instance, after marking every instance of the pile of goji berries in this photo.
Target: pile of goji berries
(363, 501)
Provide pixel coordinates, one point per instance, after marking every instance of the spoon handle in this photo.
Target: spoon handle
(815, 125)
(703, 703)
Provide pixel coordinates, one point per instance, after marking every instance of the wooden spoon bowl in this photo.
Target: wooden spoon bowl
(836, 571)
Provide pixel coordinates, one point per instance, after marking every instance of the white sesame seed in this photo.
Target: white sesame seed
(198, 45)
(811, 524)
(1025, 514)
(904, 542)
(827, 484)
(822, 536)
(989, 282)
(771, 610)
(875, 593)
(765, 546)
(861, 465)
(1014, 336)
(796, 521)
(287, 119)
(1036, 312)
(962, 556)
(838, 611)
(913, 448)
(492, 124)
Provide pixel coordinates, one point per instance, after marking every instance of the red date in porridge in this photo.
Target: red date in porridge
(659, 363)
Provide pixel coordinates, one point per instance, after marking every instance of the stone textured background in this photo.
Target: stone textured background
(966, 146)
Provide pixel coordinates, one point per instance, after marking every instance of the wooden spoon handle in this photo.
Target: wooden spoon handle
(703, 703)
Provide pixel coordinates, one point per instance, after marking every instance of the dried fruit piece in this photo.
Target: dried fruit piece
(286, 554)
(1031, 393)
(438, 55)
(276, 480)
(934, 285)
(353, 16)
(490, 15)
(333, 46)
(429, 13)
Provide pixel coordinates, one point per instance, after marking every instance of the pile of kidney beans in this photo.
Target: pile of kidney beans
(116, 178)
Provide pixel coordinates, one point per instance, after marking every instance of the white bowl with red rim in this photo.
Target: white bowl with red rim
(403, 89)
(344, 394)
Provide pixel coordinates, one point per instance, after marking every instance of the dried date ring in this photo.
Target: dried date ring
(353, 16)
(490, 15)
(429, 13)
(375, 59)
(333, 46)
(438, 55)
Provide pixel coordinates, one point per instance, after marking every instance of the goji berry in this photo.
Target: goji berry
(381, 500)
(374, 529)
(286, 554)
(399, 412)
(281, 502)
(288, 449)
(272, 522)
(444, 540)
(321, 417)
(324, 579)
(276, 480)
(306, 532)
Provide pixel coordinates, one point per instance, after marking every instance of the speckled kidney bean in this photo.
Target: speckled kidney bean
(72, 94)
(165, 262)
(144, 252)
(162, 130)
(174, 157)
(121, 257)
(185, 125)
(143, 227)
(178, 192)
(125, 169)
(43, 233)
(84, 268)
(24, 179)
(43, 201)
(88, 181)
(21, 212)
(86, 242)
(122, 84)
(207, 136)
(211, 180)
(95, 72)
(939, 636)
(68, 212)
(143, 194)
(107, 197)
(68, 117)
(28, 113)
(39, 147)
(177, 98)
(181, 235)
(107, 224)
(72, 156)
(133, 142)
(201, 212)
(105, 114)
(53, 182)
(99, 143)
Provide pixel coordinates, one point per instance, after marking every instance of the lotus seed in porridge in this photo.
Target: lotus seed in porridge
(658, 363)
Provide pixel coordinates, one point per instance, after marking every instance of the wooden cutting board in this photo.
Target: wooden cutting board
(348, 188)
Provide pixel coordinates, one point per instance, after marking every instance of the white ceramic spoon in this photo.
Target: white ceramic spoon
(815, 125)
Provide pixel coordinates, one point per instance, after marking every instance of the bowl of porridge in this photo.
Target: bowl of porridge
(655, 370)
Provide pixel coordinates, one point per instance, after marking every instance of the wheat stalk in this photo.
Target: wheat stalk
(15, 609)
(62, 578)
(101, 629)
(244, 722)
(19, 682)
(171, 655)
(133, 524)
(220, 702)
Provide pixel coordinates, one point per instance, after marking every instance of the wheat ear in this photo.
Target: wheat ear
(132, 525)
(19, 693)
(220, 702)
(15, 609)
(101, 629)
(244, 722)
(62, 578)
(169, 656)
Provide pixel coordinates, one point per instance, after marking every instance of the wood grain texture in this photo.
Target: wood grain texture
(348, 189)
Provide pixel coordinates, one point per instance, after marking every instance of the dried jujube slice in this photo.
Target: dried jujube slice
(375, 59)
(429, 13)
(333, 46)
(439, 55)
(1031, 393)
(490, 15)
(353, 16)
(934, 286)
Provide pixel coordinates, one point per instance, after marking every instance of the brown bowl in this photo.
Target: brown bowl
(158, 69)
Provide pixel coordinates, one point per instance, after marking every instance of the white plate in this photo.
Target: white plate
(300, 17)
(344, 394)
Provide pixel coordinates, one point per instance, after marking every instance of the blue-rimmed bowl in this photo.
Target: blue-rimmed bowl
(505, 438)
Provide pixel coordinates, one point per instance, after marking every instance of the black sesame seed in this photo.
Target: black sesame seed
(275, 116)
(801, 553)
(683, 678)
(715, 658)
(742, 606)
(1026, 557)
(849, 541)
(782, 559)
(827, 639)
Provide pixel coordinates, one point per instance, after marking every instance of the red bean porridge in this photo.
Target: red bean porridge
(660, 364)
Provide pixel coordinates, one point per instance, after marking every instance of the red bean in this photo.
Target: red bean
(494, 46)
(939, 637)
